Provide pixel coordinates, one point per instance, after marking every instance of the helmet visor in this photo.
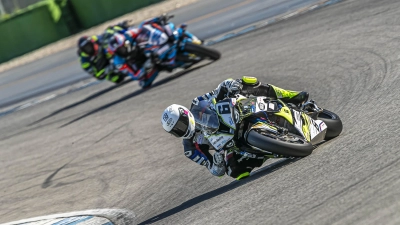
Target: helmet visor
(181, 128)
(122, 51)
(88, 48)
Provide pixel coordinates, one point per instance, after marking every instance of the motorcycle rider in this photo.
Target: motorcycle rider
(180, 122)
(113, 29)
(251, 86)
(156, 37)
(129, 59)
(148, 47)
(94, 57)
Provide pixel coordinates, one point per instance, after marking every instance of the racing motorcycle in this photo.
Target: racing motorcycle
(265, 127)
(190, 49)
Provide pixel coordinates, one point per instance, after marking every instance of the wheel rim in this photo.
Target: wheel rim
(289, 138)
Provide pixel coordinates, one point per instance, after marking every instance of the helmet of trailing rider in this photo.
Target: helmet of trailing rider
(81, 40)
(119, 45)
(88, 45)
(178, 121)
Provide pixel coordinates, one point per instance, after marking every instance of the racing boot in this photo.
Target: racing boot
(295, 97)
(146, 81)
(243, 175)
(165, 56)
(116, 78)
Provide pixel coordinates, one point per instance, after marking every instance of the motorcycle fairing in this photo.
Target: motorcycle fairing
(219, 140)
(286, 113)
(312, 130)
(265, 126)
(257, 104)
(225, 111)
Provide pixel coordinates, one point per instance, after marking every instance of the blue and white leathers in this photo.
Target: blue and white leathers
(154, 42)
(132, 70)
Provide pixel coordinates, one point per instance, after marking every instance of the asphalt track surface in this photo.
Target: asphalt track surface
(105, 148)
(206, 19)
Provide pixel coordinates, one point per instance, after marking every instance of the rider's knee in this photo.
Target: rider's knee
(238, 172)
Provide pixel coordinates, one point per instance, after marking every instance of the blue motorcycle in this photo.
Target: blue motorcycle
(164, 48)
(189, 49)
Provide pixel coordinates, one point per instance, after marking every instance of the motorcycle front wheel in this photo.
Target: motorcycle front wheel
(202, 51)
(333, 123)
(287, 145)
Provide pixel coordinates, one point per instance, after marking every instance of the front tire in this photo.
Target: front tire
(294, 145)
(333, 123)
(202, 51)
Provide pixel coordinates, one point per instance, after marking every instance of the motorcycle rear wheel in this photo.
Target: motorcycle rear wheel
(287, 145)
(202, 51)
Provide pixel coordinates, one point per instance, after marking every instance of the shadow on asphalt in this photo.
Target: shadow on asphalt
(233, 185)
(48, 182)
(91, 97)
(136, 93)
(11, 135)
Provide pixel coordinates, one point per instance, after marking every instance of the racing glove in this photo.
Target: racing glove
(217, 166)
(233, 87)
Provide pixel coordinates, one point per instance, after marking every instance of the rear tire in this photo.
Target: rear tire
(202, 51)
(333, 123)
(299, 149)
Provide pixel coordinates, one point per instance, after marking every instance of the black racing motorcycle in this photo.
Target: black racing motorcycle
(265, 127)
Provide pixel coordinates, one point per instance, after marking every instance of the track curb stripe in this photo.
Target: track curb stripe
(88, 217)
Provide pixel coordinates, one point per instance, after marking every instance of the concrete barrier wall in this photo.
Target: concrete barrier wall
(49, 21)
(93, 12)
(28, 31)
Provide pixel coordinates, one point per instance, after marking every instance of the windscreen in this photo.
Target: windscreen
(205, 118)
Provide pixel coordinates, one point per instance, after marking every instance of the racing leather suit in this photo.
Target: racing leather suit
(156, 40)
(99, 65)
(152, 40)
(237, 165)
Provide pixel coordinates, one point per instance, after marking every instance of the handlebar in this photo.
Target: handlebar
(165, 17)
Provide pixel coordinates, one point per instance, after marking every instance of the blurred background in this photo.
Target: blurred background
(36, 23)
(10, 6)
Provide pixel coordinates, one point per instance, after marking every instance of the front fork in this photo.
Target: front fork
(184, 36)
(310, 108)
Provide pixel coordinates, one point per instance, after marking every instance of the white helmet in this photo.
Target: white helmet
(179, 121)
